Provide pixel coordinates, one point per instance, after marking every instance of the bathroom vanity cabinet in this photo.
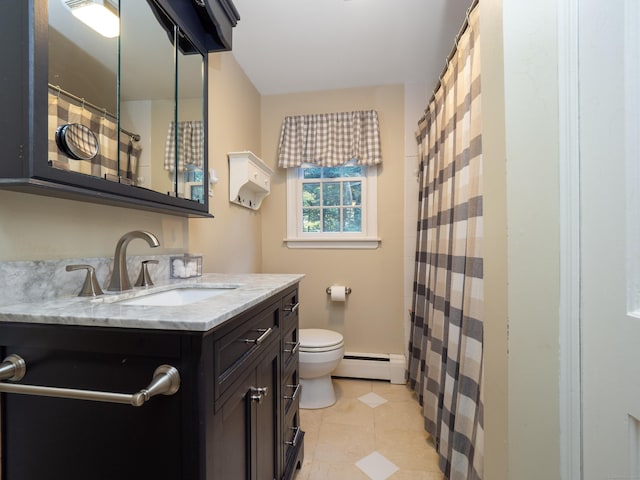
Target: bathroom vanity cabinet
(248, 403)
(235, 415)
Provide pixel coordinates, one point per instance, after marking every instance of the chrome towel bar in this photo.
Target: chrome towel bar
(166, 381)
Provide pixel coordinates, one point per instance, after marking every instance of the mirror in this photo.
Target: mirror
(190, 121)
(82, 89)
(77, 141)
(141, 94)
(147, 91)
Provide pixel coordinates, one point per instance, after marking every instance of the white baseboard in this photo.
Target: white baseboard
(375, 366)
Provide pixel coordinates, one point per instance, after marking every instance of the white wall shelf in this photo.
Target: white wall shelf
(249, 179)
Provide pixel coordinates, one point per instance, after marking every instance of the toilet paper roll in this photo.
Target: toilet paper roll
(338, 293)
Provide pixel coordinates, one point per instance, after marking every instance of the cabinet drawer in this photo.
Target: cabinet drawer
(292, 435)
(244, 343)
(290, 308)
(291, 391)
(290, 347)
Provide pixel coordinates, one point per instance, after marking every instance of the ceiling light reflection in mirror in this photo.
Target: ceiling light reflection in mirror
(100, 15)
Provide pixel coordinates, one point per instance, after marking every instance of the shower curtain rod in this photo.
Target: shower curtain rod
(463, 29)
(102, 110)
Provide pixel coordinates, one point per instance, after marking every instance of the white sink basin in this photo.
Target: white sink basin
(177, 296)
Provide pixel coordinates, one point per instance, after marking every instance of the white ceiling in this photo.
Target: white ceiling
(287, 46)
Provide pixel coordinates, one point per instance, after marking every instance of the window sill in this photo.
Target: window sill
(361, 243)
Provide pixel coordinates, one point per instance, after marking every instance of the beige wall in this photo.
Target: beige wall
(231, 241)
(372, 320)
(34, 227)
(495, 246)
(531, 108)
(521, 153)
(162, 112)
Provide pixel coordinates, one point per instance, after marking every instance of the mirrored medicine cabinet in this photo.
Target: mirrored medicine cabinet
(117, 117)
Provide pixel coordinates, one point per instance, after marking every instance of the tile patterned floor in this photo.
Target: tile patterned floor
(373, 432)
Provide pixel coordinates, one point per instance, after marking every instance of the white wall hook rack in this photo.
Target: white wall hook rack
(249, 179)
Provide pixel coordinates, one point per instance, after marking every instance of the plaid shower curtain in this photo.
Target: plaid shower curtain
(446, 341)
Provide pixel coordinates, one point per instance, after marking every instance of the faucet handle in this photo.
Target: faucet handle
(91, 287)
(144, 279)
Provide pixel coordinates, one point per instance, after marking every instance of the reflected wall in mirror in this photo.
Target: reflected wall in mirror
(190, 121)
(141, 93)
(147, 90)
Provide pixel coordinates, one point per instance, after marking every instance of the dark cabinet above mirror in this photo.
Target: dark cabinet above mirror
(117, 117)
(208, 22)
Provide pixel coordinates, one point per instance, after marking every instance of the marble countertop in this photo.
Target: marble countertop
(245, 291)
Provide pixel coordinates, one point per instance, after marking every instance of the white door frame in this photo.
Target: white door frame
(569, 314)
(570, 274)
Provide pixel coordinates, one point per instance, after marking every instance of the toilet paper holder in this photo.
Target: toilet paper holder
(347, 290)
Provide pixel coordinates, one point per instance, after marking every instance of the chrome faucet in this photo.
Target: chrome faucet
(120, 276)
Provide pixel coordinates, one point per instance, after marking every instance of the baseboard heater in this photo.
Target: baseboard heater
(376, 366)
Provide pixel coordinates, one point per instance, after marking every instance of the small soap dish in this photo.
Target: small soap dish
(186, 266)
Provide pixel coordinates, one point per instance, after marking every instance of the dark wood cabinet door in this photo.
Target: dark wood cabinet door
(232, 435)
(266, 418)
(246, 445)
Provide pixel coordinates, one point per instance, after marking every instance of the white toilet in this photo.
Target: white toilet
(320, 353)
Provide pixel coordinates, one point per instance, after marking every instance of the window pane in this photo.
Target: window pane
(352, 171)
(311, 220)
(352, 221)
(311, 172)
(332, 199)
(330, 193)
(311, 195)
(332, 172)
(352, 193)
(330, 219)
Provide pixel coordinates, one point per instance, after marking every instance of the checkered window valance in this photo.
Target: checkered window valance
(330, 139)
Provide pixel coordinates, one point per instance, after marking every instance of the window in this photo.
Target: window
(332, 207)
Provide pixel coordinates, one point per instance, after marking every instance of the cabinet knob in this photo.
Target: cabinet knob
(293, 350)
(296, 390)
(296, 437)
(292, 308)
(258, 393)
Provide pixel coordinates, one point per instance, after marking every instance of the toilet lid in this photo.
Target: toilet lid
(318, 339)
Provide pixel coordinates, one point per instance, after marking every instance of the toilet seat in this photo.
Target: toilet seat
(319, 340)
